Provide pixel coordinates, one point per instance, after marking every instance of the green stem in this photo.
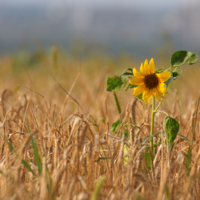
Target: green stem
(168, 68)
(152, 124)
(158, 105)
(117, 104)
(154, 111)
(162, 112)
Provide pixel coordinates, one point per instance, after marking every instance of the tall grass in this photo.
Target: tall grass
(56, 147)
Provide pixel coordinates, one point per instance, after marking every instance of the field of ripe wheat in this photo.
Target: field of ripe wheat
(59, 140)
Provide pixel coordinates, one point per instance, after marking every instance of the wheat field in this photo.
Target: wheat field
(56, 133)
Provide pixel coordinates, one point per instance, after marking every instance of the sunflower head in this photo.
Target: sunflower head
(149, 82)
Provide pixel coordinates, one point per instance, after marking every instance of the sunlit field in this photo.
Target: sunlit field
(57, 134)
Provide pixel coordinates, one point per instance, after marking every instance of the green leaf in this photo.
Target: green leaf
(97, 188)
(139, 96)
(115, 125)
(174, 76)
(36, 152)
(128, 69)
(184, 137)
(103, 120)
(171, 128)
(28, 167)
(147, 157)
(157, 143)
(143, 148)
(176, 73)
(29, 130)
(170, 80)
(22, 161)
(37, 156)
(12, 148)
(158, 71)
(147, 139)
(127, 75)
(126, 133)
(188, 161)
(116, 83)
(181, 57)
(133, 86)
(167, 193)
(137, 196)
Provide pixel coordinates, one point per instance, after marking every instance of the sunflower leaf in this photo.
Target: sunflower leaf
(158, 71)
(171, 128)
(116, 83)
(129, 69)
(170, 80)
(182, 57)
(133, 86)
(147, 139)
(188, 159)
(139, 96)
(174, 76)
(115, 125)
(103, 120)
(147, 157)
(127, 74)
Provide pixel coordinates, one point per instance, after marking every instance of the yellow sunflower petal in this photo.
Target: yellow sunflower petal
(164, 76)
(138, 90)
(152, 66)
(161, 88)
(136, 81)
(157, 94)
(146, 67)
(137, 74)
(147, 95)
(142, 69)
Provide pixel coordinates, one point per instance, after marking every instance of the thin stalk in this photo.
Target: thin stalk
(169, 68)
(117, 104)
(152, 124)
(162, 112)
(159, 104)
(154, 111)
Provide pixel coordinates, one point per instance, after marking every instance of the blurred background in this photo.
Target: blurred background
(138, 28)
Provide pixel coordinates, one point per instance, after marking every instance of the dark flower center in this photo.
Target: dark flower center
(151, 81)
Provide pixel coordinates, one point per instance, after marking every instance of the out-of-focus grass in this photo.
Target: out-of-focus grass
(33, 71)
(52, 148)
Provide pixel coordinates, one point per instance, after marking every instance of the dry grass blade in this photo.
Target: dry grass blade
(68, 93)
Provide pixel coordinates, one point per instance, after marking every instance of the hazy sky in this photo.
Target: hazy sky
(140, 3)
(154, 18)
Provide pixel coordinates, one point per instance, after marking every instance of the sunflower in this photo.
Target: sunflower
(149, 82)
